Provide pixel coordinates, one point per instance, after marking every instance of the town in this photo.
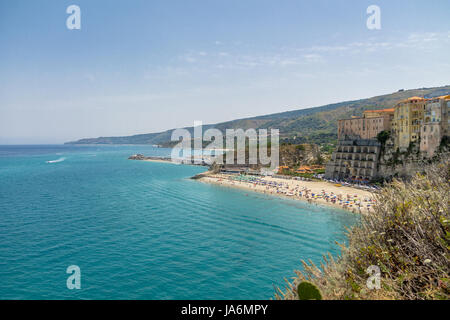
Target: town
(389, 142)
(375, 147)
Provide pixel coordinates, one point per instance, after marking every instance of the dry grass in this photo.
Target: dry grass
(407, 236)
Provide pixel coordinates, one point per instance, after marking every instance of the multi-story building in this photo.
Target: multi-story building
(384, 113)
(435, 124)
(357, 153)
(366, 127)
(407, 121)
(412, 120)
(446, 115)
(355, 160)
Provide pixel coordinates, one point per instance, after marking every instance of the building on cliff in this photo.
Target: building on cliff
(355, 160)
(366, 127)
(414, 121)
(435, 124)
(357, 153)
(408, 118)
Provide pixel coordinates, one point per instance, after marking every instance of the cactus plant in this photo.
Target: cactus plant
(308, 291)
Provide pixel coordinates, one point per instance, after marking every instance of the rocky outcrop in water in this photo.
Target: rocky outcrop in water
(137, 157)
(142, 157)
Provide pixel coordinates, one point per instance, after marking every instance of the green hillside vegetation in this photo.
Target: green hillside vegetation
(312, 125)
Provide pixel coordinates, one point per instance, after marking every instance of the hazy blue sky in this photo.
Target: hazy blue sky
(144, 66)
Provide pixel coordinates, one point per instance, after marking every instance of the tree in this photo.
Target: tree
(383, 136)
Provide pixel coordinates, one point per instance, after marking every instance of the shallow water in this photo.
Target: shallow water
(143, 230)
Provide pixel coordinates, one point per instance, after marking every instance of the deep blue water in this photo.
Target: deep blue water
(141, 230)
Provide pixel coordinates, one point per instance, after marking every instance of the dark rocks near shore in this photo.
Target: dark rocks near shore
(137, 157)
(192, 161)
(200, 175)
(142, 157)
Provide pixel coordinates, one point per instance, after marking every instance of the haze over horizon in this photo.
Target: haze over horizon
(148, 67)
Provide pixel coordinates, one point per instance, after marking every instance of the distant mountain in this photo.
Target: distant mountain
(312, 125)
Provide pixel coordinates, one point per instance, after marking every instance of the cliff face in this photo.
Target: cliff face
(394, 163)
(298, 155)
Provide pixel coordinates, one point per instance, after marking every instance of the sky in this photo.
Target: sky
(142, 66)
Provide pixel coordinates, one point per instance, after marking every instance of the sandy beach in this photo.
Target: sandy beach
(320, 192)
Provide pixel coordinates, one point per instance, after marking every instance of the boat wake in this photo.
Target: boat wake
(56, 161)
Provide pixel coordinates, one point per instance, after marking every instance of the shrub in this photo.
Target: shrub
(308, 291)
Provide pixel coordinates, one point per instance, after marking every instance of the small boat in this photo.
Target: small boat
(56, 161)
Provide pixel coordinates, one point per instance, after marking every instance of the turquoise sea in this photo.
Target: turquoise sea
(142, 230)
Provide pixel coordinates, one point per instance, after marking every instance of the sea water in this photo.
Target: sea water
(144, 230)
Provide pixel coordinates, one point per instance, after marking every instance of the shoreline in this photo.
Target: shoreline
(312, 192)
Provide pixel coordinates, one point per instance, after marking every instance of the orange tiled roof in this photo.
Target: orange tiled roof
(381, 110)
(416, 98)
(410, 99)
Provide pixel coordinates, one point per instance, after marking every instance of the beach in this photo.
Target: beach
(315, 192)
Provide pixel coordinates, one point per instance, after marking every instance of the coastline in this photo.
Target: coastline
(314, 192)
(320, 192)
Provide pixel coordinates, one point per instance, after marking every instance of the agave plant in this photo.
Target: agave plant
(308, 291)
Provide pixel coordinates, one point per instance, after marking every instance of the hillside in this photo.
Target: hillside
(312, 125)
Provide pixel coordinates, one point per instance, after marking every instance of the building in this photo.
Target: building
(305, 169)
(366, 127)
(407, 121)
(389, 113)
(435, 124)
(355, 160)
(413, 120)
(446, 116)
(357, 153)
(282, 168)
